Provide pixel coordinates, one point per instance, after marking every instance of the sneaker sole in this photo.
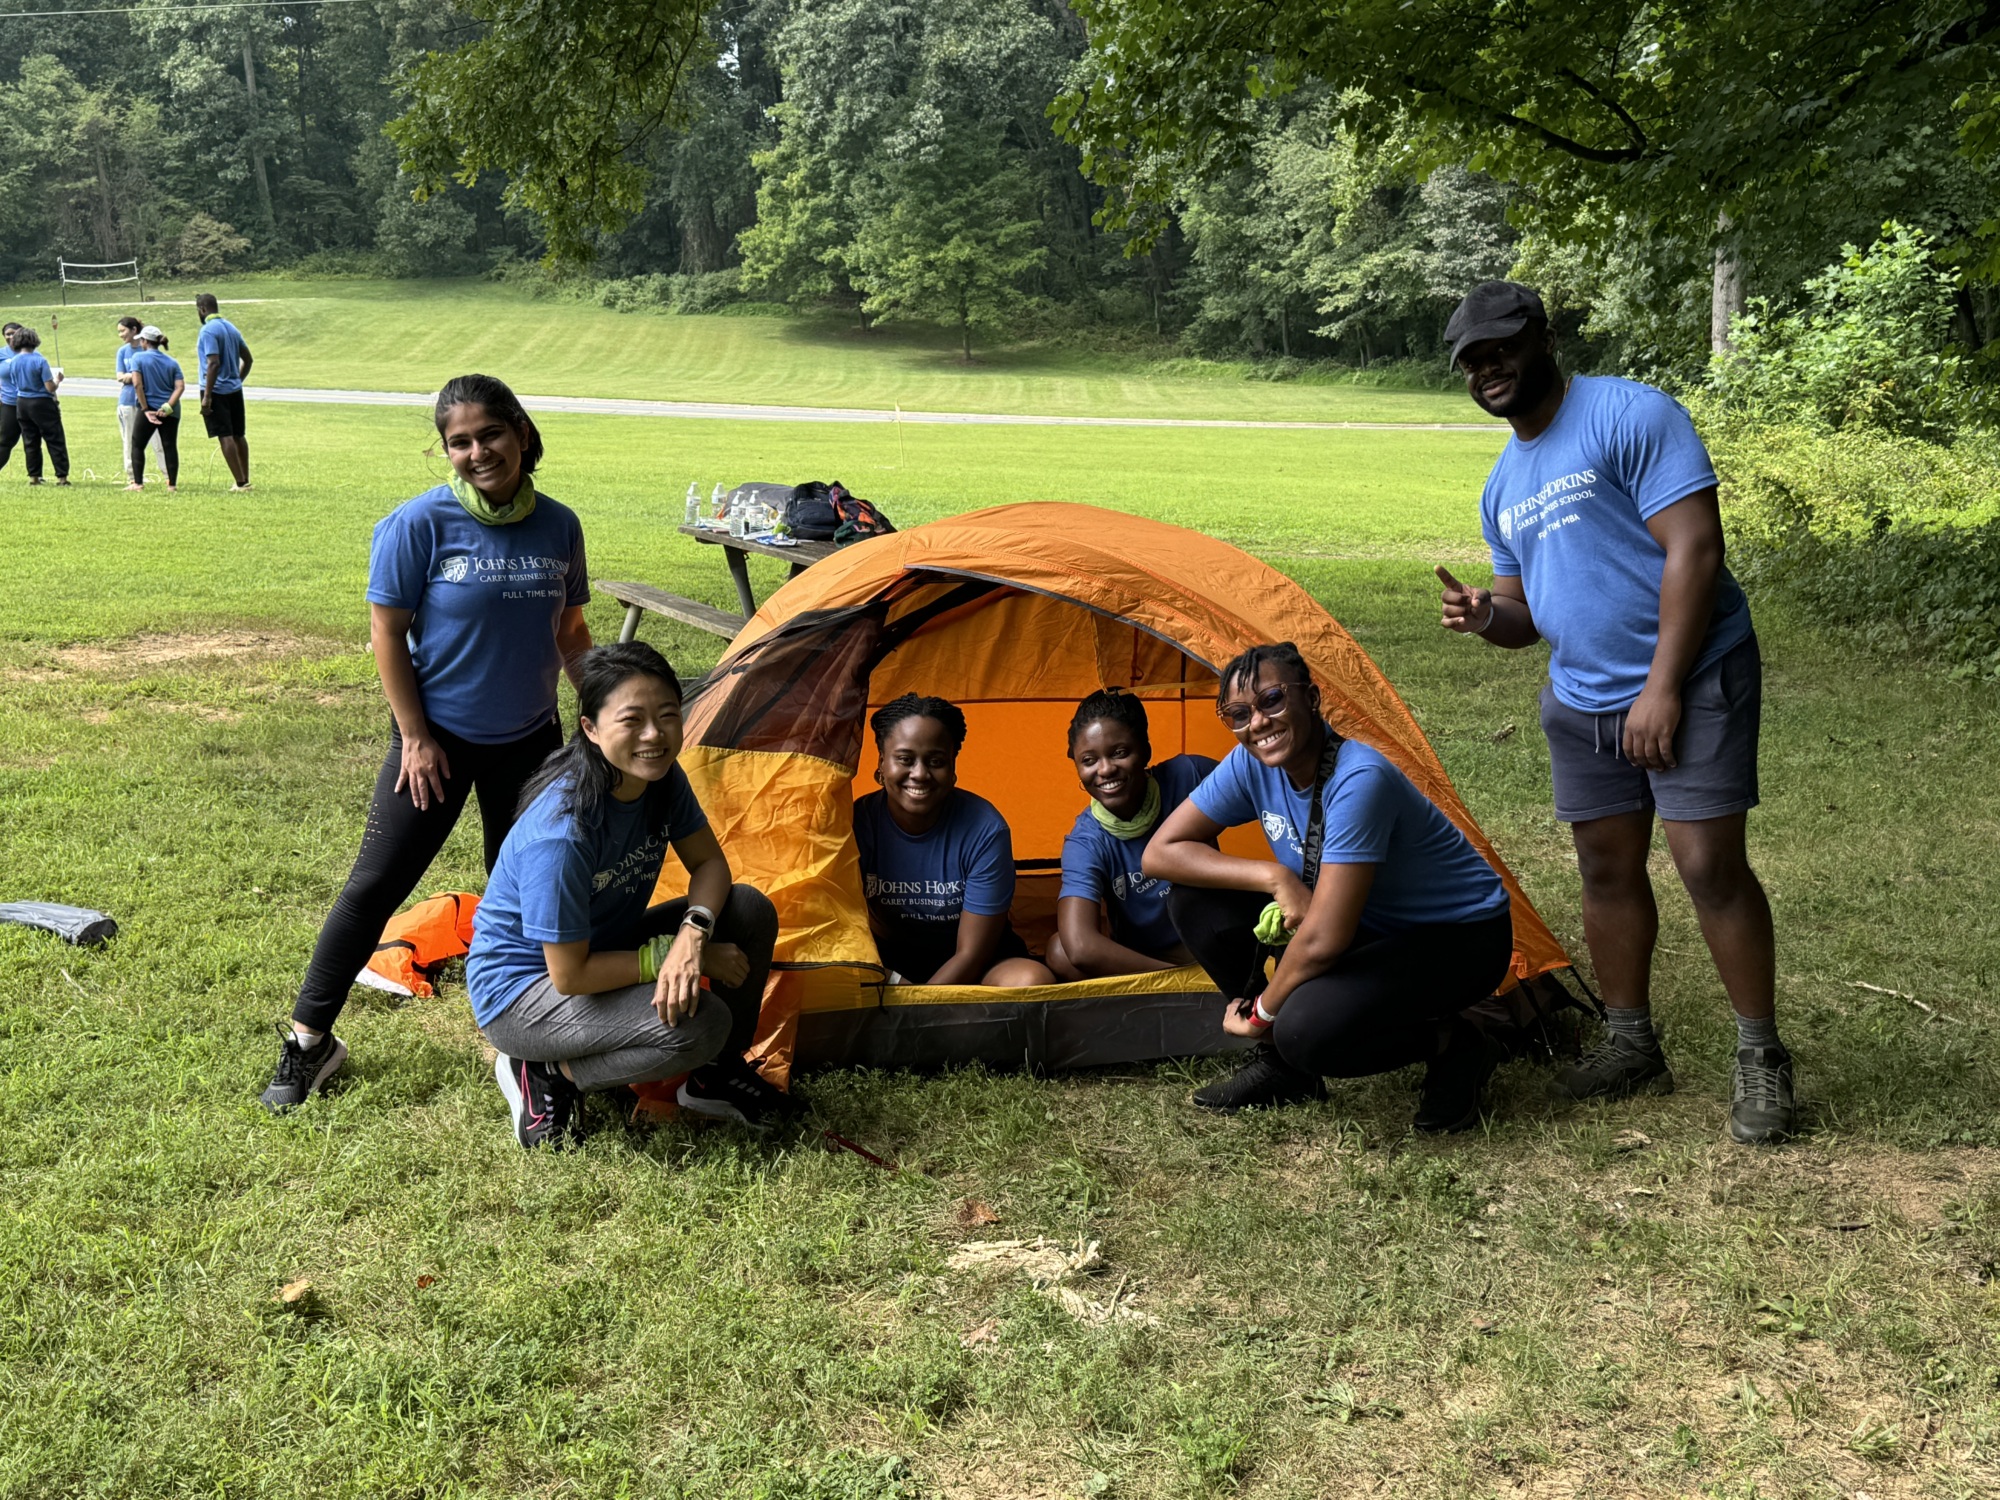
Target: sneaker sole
(517, 1105)
(1775, 1136)
(716, 1109)
(327, 1069)
(1236, 1109)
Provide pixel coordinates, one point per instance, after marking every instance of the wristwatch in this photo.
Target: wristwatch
(702, 920)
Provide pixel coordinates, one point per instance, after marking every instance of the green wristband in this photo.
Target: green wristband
(650, 953)
(1271, 927)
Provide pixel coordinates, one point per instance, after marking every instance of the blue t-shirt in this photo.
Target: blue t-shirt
(557, 882)
(965, 863)
(7, 395)
(1097, 865)
(159, 372)
(486, 601)
(1567, 513)
(31, 374)
(126, 354)
(1426, 871)
(219, 337)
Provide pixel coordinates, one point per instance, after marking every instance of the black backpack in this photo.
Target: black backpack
(820, 512)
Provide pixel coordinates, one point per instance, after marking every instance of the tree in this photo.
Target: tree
(562, 97)
(1714, 121)
(951, 241)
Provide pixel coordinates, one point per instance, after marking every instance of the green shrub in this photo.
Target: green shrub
(1890, 536)
(1871, 347)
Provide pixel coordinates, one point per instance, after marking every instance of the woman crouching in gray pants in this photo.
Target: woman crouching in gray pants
(575, 980)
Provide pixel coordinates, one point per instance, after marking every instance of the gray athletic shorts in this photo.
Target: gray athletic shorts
(1716, 748)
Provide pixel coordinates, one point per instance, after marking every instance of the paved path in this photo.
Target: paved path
(719, 411)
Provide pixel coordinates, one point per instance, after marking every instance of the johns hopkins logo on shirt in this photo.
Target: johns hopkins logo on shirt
(453, 570)
(1506, 523)
(1118, 886)
(1277, 826)
(870, 886)
(603, 877)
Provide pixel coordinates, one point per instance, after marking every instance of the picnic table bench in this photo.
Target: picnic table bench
(640, 598)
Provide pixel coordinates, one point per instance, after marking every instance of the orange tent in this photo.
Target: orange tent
(1014, 613)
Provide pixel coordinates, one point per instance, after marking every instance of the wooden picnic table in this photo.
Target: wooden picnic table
(639, 598)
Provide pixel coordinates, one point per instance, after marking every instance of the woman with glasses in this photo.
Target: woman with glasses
(1386, 920)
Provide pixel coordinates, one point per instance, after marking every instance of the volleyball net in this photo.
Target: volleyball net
(98, 273)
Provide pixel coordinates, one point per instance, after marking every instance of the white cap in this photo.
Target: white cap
(151, 334)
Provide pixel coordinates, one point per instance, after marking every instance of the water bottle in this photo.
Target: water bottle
(693, 502)
(718, 502)
(739, 521)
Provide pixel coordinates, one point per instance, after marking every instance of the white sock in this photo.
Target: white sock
(306, 1039)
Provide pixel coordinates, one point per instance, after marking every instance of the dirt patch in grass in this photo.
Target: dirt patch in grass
(172, 647)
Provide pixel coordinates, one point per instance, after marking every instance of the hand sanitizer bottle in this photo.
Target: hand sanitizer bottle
(693, 502)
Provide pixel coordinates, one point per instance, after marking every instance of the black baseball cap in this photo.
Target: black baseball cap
(1493, 310)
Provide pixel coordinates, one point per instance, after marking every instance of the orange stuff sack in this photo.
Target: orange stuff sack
(417, 941)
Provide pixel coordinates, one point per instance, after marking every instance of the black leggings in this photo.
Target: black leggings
(1378, 1007)
(747, 919)
(10, 432)
(41, 422)
(169, 432)
(399, 844)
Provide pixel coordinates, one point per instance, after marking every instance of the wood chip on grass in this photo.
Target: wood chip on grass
(1050, 1266)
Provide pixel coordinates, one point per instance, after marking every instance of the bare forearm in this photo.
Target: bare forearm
(1513, 625)
(598, 973)
(399, 683)
(967, 966)
(572, 643)
(1095, 954)
(1687, 603)
(1192, 863)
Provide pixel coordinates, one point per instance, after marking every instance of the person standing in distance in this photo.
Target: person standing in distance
(159, 386)
(1606, 536)
(35, 383)
(128, 394)
(222, 360)
(476, 591)
(10, 415)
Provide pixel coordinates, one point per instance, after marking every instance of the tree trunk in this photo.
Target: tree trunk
(1726, 296)
(1284, 331)
(256, 148)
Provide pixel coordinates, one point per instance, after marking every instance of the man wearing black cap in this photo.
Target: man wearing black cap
(1606, 537)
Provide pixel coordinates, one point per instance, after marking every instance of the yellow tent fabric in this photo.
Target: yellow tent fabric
(1014, 613)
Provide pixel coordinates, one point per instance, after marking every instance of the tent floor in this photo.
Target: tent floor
(1042, 1036)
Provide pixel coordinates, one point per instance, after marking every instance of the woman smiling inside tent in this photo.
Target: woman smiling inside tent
(575, 980)
(1111, 917)
(937, 862)
(1389, 922)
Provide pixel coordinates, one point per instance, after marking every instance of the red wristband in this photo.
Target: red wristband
(1256, 1018)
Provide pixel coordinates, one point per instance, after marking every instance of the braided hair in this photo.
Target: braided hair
(1120, 707)
(919, 706)
(1242, 672)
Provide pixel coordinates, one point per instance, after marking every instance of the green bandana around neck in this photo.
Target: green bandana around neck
(1130, 828)
(483, 510)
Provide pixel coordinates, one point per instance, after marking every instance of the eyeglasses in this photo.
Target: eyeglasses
(1270, 703)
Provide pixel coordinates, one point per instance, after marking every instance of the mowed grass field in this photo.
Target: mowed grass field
(413, 336)
(1610, 1302)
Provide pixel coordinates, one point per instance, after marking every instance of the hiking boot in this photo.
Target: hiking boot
(301, 1071)
(1762, 1112)
(1613, 1069)
(1455, 1082)
(1264, 1082)
(547, 1108)
(730, 1089)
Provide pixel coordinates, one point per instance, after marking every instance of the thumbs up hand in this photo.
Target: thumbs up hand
(1467, 610)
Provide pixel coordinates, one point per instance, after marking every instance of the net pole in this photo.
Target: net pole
(62, 280)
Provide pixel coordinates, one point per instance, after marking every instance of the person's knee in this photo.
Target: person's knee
(1611, 856)
(1716, 873)
(752, 917)
(1018, 974)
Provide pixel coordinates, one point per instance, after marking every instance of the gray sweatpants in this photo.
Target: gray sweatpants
(609, 1039)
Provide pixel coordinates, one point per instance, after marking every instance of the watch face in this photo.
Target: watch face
(700, 921)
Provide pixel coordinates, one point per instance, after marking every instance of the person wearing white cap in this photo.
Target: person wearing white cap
(158, 386)
(129, 348)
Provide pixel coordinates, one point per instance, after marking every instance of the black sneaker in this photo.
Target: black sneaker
(1455, 1082)
(730, 1089)
(1262, 1083)
(1613, 1069)
(547, 1107)
(301, 1071)
(1763, 1112)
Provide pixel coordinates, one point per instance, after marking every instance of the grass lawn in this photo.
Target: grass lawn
(413, 336)
(1612, 1302)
